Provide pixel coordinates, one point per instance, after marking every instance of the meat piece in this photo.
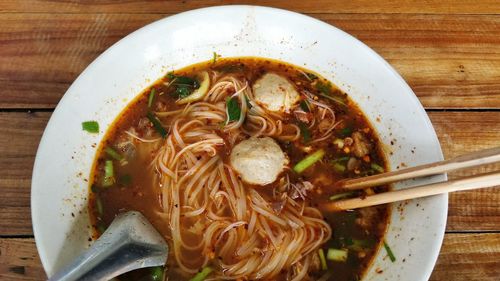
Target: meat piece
(258, 160)
(367, 217)
(324, 125)
(353, 163)
(275, 93)
(304, 117)
(361, 145)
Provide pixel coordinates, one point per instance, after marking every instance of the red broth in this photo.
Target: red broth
(359, 232)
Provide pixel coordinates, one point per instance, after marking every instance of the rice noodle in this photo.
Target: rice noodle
(203, 198)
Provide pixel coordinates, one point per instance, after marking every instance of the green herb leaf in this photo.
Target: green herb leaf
(340, 168)
(90, 126)
(304, 131)
(304, 105)
(324, 88)
(171, 75)
(233, 109)
(157, 124)
(151, 97)
(345, 132)
(183, 91)
(389, 252)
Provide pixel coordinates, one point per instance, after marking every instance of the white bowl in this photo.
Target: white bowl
(64, 158)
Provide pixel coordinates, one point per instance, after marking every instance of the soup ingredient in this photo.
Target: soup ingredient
(157, 124)
(337, 255)
(179, 170)
(200, 276)
(361, 145)
(233, 110)
(377, 167)
(322, 259)
(310, 160)
(275, 93)
(258, 160)
(90, 126)
(157, 273)
(151, 97)
(199, 93)
(389, 252)
(115, 155)
(109, 175)
(342, 195)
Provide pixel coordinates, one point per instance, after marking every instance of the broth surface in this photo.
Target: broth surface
(136, 186)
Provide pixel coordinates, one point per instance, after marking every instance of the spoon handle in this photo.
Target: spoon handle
(129, 243)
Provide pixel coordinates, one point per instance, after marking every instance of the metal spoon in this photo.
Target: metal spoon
(129, 243)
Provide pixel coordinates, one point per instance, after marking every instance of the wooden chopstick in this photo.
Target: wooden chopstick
(473, 182)
(473, 159)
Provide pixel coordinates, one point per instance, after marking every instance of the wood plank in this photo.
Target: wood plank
(19, 260)
(318, 6)
(459, 132)
(449, 61)
(467, 257)
(20, 134)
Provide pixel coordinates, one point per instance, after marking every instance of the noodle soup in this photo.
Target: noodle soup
(230, 160)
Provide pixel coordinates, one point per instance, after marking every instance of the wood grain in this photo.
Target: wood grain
(20, 134)
(317, 6)
(19, 260)
(468, 211)
(449, 61)
(467, 257)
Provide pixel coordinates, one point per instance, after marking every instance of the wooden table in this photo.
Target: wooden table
(448, 51)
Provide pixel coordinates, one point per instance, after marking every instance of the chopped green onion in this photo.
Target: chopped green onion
(304, 131)
(115, 155)
(309, 161)
(341, 195)
(98, 206)
(90, 126)
(377, 167)
(339, 167)
(337, 254)
(125, 179)
(151, 97)
(200, 276)
(341, 159)
(109, 175)
(214, 59)
(360, 245)
(304, 105)
(157, 273)
(233, 110)
(156, 123)
(322, 259)
(389, 252)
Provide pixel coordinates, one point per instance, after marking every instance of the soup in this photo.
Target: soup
(230, 160)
